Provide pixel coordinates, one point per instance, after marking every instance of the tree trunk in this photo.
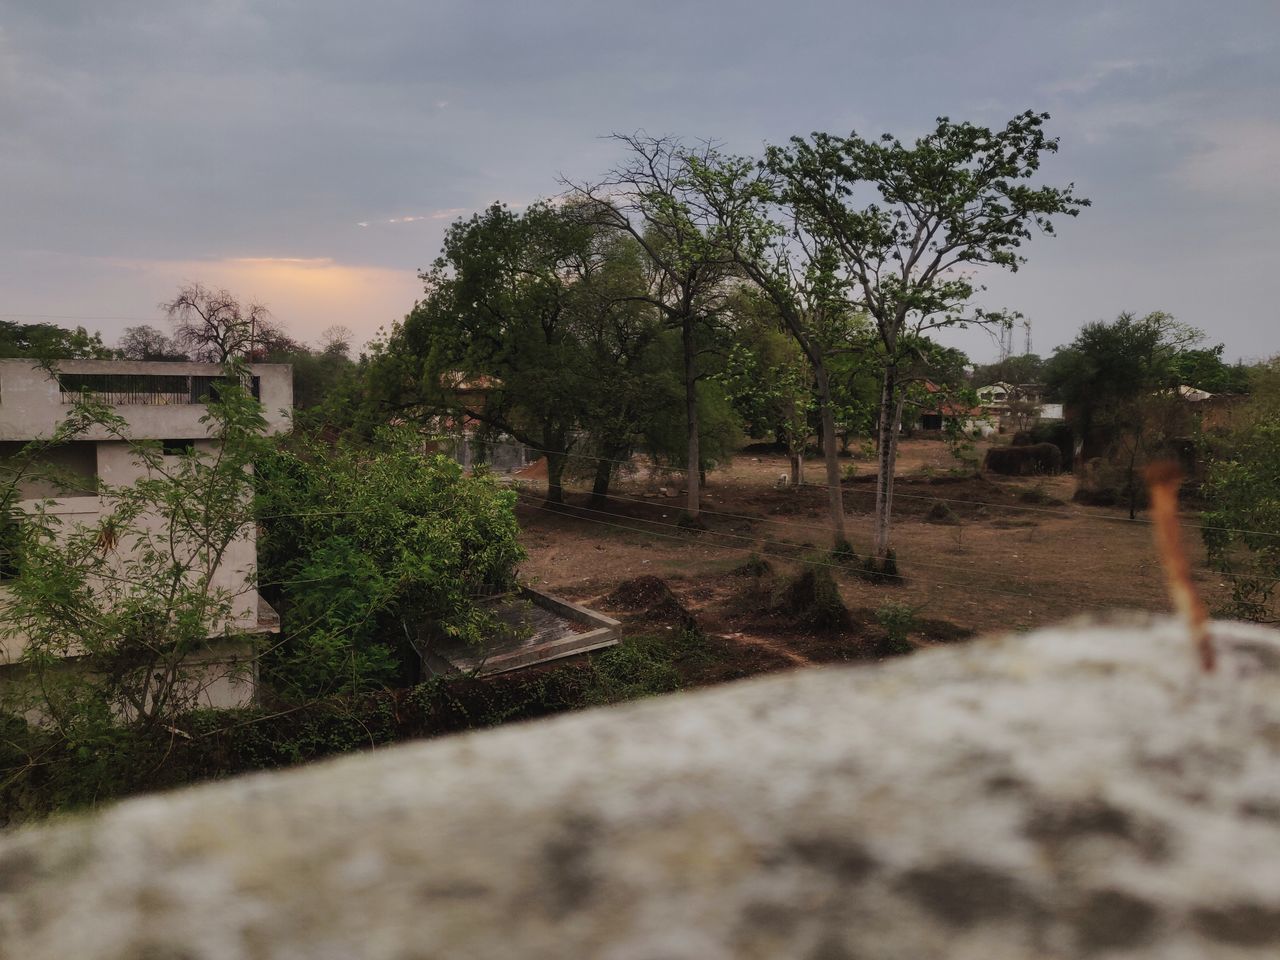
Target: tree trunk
(888, 449)
(797, 466)
(693, 504)
(600, 485)
(830, 453)
(555, 474)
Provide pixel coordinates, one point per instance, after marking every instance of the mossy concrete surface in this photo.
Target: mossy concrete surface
(1082, 791)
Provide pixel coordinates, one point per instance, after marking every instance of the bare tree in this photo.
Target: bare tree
(336, 340)
(147, 343)
(652, 196)
(212, 326)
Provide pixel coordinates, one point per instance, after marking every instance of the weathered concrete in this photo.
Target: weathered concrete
(1071, 793)
(32, 406)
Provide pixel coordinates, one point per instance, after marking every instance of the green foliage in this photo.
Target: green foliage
(898, 620)
(844, 554)
(1242, 524)
(641, 666)
(1118, 381)
(371, 552)
(1015, 370)
(47, 341)
(135, 590)
(813, 600)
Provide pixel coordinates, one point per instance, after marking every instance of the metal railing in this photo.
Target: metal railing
(146, 389)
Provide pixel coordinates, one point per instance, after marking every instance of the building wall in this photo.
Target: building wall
(31, 407)
(32, 404)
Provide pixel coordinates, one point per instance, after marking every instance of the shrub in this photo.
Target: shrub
(884, 572)
(368, 553)
(755, 566)
(813, 599)
(941, 512)
(1020, 461)
(898, 620)
(844, 554)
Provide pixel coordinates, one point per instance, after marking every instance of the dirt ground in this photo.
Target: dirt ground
(977, 554)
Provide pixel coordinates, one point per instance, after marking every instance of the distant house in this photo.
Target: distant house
(159, 401)
(939, 413)
(1014, 407)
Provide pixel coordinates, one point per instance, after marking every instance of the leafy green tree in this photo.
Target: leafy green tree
(1205, 370)
(631, 388)
(798, 272)
(496, 341)
(1026, 368)
(653, 196)
(1242, 486)
(907, 223)
(48, 341)
(1118, 382)
(767, 378)
(373, 553)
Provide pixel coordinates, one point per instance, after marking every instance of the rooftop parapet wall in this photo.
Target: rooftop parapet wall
(32, 403)
(1077, 792)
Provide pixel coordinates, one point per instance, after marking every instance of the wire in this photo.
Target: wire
(66, 316)
(683, 538)
(811, 525)
(896, 493)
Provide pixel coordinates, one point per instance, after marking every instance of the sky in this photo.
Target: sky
(309, 154)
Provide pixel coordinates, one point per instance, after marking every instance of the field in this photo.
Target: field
(977, 554)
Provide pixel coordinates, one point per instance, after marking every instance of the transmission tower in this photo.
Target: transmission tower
(1026, 343)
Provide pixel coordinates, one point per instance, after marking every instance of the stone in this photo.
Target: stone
(1081, 791)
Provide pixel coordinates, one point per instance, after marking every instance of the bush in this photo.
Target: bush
(898, 620)
(1020, 461)
(1243, 519)
(883, 572)
(940, 512)
(640, 667)
(755, 566)
(813, 599)
(844, 554)
(369, 553)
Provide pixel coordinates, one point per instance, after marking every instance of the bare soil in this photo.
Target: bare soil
(1014, 553)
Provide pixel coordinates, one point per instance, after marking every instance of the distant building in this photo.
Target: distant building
(1014, 407)
(159, 401)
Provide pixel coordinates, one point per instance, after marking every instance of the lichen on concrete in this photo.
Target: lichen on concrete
(1081, 791)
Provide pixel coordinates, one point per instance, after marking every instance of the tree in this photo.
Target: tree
(496, 340)
(212, 326)
(768, 379)
(147, 343)
(1027, 368)
(631, 392)
(796, 270)
(135, 591)
(47, 341)
(1118, 382)
(905, 221)
(653, 196)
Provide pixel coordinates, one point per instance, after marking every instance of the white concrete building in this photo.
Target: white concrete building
(159, 401)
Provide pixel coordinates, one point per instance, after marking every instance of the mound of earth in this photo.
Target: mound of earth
(650, 597)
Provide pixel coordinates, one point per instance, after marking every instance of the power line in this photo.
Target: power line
(985, 503)
(656, 504)
(684, 538)
(68, 316)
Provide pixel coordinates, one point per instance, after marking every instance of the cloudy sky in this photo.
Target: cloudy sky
(309, 153)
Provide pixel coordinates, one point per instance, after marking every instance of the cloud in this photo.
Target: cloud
(451, 214)
(1235, 159)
